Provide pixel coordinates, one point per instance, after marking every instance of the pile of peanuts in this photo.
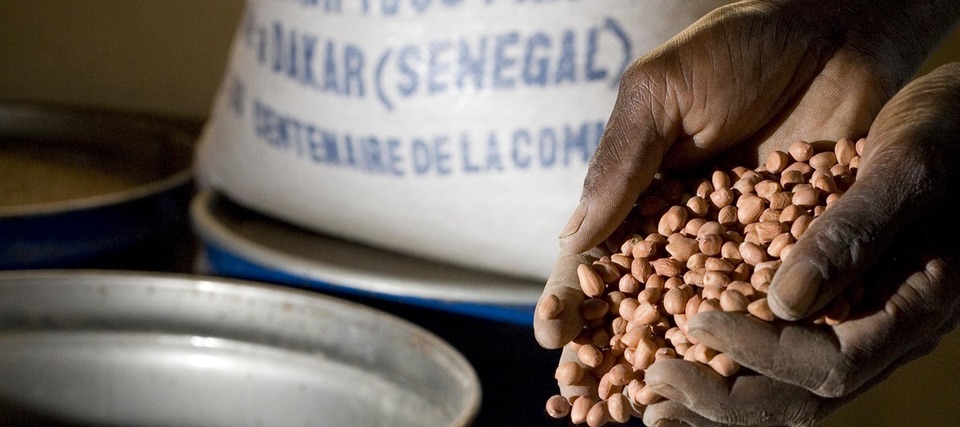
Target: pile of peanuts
(704, 244)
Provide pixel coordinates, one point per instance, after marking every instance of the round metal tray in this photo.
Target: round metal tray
(49, 220)
(99, 348)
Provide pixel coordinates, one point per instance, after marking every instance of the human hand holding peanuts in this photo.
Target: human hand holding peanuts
(800, 86)
(892, 232)
(698, 256)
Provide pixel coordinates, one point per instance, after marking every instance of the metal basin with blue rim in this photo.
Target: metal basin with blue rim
(238, 242)
(80, 186)
(82, 347)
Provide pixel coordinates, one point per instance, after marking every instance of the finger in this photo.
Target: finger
(906, 157)
(699, 396)
(747, 399)
(563, 288)
(838, 360)
(795, 354)
(587, 386)
(626, 159)
(838, 247)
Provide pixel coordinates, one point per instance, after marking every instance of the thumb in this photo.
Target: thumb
(837, 248)
(624, 164)
(905, 170)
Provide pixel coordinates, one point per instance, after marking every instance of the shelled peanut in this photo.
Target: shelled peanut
(699, 245)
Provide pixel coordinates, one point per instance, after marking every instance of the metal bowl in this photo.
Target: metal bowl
(238, 242)
(80, 185)
(111, 348)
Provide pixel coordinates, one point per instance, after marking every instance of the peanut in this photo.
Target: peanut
(550, 307)
(777, 161)
(801, 151)
(619, 408)
(675, 301)
(752, 253)
(621, 261)
(730, 251)
(621, 374)
(720, 180)
(749, 208)
(594, 308)
(647, 396)
(791, 213)
(732, 300)
(745, 185)
(823, 161)
(650, 295)
(672, 221)
(581, 406)
(710, 244)
(704, 188)
(703, 354)
(781, 200)
(728, 215)
(644, 249)
(806, 197)
(558, 406)
(607, 270)
(778, 243)
(628, 284)
(761, 310)
(667, 267)
(844, 151)
(801, 167)
(698, 206)
(800, 225)
(568, 373)
(791, 178)
(722, 198)
(711, 227)
(590, 355)
(598, 415)
(682, 248)
(590, 281)
(724, 365)
(640, 269)
(767, 188)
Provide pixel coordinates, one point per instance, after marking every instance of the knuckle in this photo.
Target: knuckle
(843, 240)
(837, 381)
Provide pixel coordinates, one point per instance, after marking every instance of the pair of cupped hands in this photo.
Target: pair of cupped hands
(753, 77)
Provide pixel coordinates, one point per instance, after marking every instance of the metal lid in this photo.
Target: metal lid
(110, 348)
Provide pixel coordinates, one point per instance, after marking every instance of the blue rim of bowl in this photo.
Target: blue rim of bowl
(88, 230)
(229, 253)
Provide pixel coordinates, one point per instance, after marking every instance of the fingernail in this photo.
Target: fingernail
(670, 423)
(796, 287)
(575, 220)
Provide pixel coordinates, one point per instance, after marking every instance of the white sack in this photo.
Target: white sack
(458, 130)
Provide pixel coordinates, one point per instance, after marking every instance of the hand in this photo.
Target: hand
(894, 231)
(758, 75)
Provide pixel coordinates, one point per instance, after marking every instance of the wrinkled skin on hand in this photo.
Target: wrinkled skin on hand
(751, 78)
(894, 230)
(755, 76)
